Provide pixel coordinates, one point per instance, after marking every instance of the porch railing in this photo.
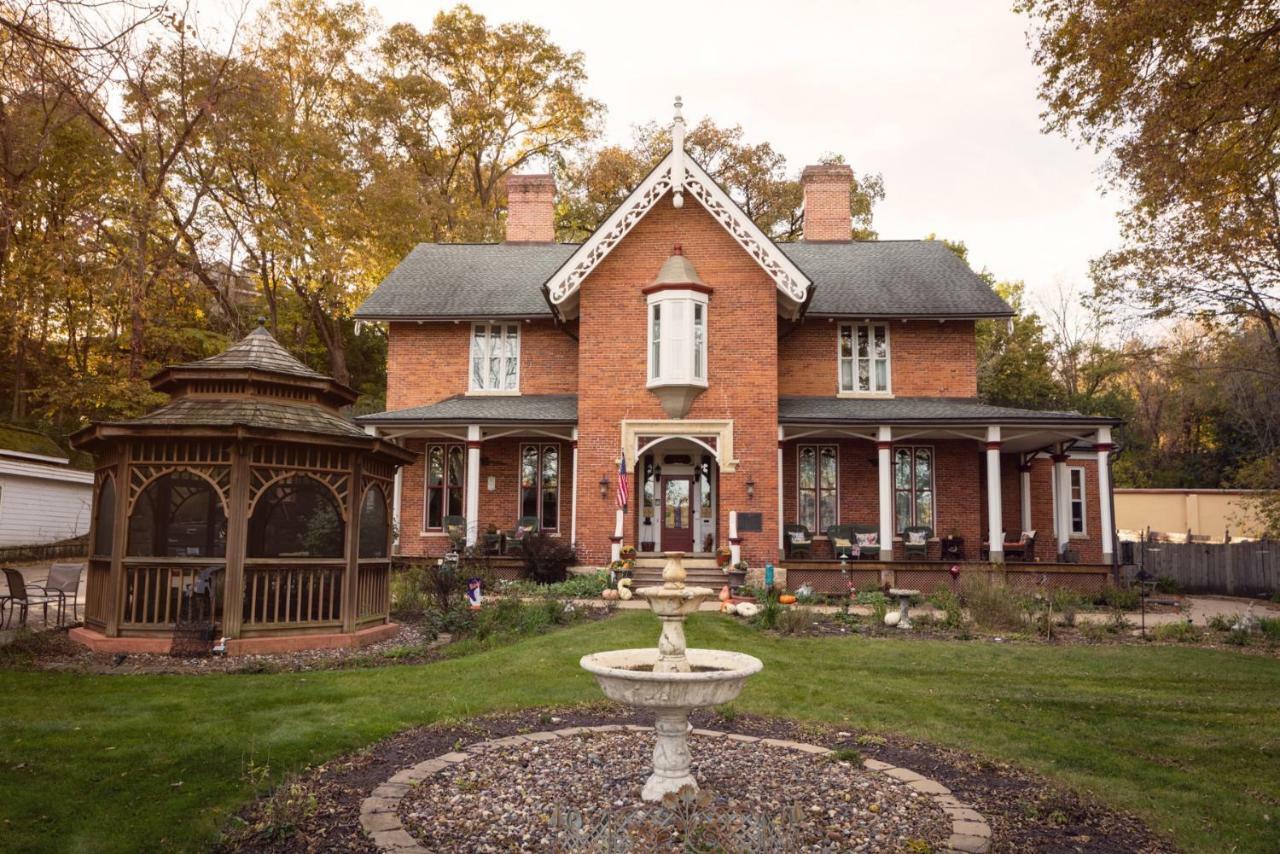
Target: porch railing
(293, 594)
(160, 592)
(373, 591)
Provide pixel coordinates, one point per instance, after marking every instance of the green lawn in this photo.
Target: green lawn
(1189, 738)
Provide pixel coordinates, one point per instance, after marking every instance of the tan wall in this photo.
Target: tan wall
(1205, 512)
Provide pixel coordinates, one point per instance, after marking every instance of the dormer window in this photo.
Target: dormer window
(678, 305)
(864, 358)
(495, 357)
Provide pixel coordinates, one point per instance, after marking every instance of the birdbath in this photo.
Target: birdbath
(671, 679)
(904, 600)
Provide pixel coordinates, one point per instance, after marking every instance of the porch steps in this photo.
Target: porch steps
(700, 572)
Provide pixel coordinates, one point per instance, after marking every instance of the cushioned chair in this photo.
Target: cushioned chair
(456, 528)
(920, 549)
(1024, 547)
(867, 552)
(798, 540)
(842, 541)
(515, 537)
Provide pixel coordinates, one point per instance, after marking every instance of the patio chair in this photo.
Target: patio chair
(63, 581)
(22, 596)
(456, 528)
(915, 541)
(492, 543)
(798, 540)
(867, 538)
(525, 525)
(842, 541)
(1024, 547)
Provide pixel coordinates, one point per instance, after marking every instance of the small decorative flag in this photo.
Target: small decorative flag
(622, 482)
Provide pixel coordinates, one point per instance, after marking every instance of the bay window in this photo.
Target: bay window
(540, 485)
(817, 487)
(495, 357)
(677, 351)
(913, 487)
(864, 358)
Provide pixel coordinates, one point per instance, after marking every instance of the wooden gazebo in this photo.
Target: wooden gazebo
(246, 505)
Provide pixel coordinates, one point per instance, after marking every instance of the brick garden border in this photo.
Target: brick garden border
(970, 833)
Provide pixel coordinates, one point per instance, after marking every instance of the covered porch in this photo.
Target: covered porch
(930, 480)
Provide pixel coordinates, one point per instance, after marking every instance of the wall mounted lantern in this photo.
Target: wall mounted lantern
(751, 488)
(604, 487)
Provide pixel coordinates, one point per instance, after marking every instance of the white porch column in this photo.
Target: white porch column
(884, 451)
(1024, 492)
(1061, 500)
(995, 508)
(782, 543)
(1104, 447)
(473, 483)
(396, 492)
(573, 496)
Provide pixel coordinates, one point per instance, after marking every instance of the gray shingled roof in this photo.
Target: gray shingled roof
(247, 412)
(462, 409)
(257, 351)
(923, 410)
(892, 278)
(468, 280)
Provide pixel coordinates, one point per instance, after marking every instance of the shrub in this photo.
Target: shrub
(949, 603)
(1124, 598)
(1180, 632)
(871, 596)
(993, 605)
(878, 610)
(588, 586)
(1164, 584)
(1118, 623)
(1222, 622)
(1067, 604)
(795, 621)
(547, 559)
(1269, 627)
(425, 583)
(771, 612)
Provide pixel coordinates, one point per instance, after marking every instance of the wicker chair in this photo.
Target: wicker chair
(917, 550)
(515, 537)
(456, 528)
(798, 540)
(1024, 548)
(841, 532)
(867, 552)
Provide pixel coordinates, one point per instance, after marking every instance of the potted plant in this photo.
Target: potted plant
(627, 553)
(738, 574)
(722, 556)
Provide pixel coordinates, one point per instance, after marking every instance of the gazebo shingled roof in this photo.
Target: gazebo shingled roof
(248, 500)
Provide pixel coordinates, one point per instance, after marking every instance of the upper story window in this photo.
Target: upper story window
(864, 358)
(678, 337)
(495, 357)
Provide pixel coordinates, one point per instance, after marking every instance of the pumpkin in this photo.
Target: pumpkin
(787, 599)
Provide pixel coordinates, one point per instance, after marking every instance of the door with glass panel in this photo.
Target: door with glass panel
(677, 513)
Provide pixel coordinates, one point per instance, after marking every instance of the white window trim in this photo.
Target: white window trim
(471, 376)
(817, 482)
(841, 391)
(689, 298)
(541, 446)
(1083, 533)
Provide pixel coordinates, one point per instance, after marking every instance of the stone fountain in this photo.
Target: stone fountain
(671, 679)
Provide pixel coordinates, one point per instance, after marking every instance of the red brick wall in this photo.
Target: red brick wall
(427, 362)
(499, 458)
(926, 359)
(1090, 546)
(742, 358)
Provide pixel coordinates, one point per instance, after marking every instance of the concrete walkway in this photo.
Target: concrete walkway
(36, 573)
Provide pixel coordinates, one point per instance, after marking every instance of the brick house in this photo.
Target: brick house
(737, 381)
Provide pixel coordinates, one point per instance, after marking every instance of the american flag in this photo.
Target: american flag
(622, 482)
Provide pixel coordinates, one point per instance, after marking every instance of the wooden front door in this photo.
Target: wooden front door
(677, 513)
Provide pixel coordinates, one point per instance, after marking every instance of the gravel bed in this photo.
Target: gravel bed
(510, 798)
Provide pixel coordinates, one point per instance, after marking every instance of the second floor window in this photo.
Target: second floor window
(678, 338)
(864, 357)
(495, 357)
(446, 469)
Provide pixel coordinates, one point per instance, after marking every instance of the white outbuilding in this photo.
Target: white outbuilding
(43, 497)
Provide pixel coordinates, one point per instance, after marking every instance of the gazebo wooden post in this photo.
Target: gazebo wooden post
(350, 609)
(119, 537)
(237, 538)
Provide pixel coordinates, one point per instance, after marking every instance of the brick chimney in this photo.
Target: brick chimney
(531, 209)
(826, 202)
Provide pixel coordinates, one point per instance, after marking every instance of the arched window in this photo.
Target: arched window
(373, 523)
(178, 515)
(104, 518)
(296, 517)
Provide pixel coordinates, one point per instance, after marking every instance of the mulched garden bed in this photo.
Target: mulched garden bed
(1026, 813)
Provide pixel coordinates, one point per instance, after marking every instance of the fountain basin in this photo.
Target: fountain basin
(675, 602)
(626, 676)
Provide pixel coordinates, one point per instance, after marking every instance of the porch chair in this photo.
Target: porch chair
(22, 596)
(798, 540)
(525, 525)
(63, 581)
(915, 541)
(456, 528)
(492, 542)
(842, 541)
(867, 538)
(1024, 547)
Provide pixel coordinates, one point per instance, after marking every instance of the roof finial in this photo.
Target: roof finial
(677, 149)
(262, 321)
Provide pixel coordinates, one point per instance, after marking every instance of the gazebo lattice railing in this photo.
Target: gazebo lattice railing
(266, 519)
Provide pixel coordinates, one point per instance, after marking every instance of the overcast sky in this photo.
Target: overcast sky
(939, 97)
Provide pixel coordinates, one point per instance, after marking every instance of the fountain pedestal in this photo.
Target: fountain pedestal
(672, 679)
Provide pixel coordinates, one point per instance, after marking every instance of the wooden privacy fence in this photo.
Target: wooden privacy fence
(1237, 569)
